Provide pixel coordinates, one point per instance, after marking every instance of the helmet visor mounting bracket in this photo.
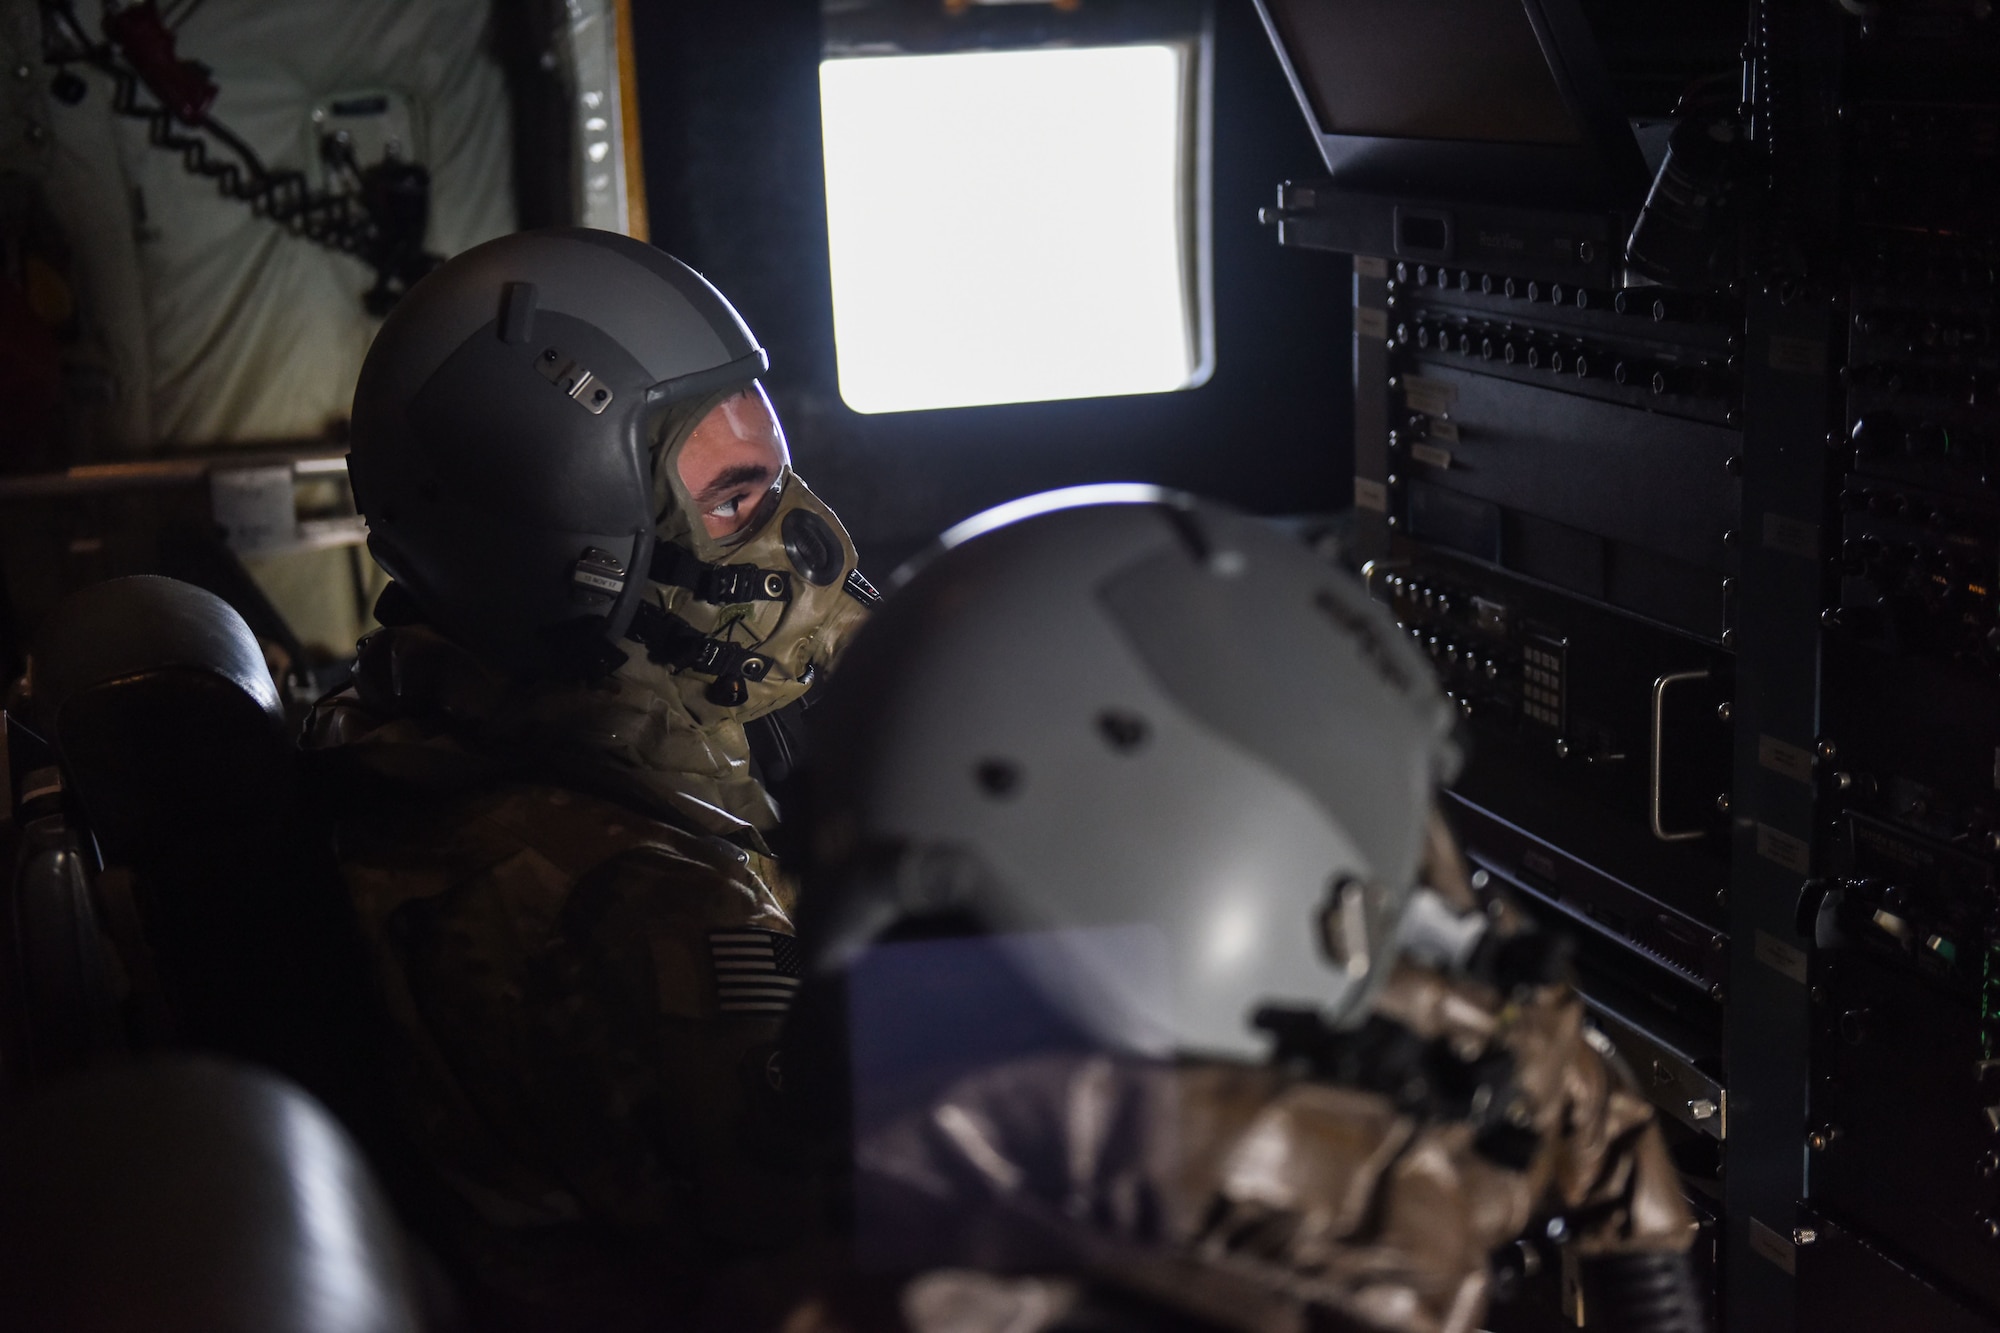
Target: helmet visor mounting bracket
(1345, 928)
(570, 375)
(730, 374)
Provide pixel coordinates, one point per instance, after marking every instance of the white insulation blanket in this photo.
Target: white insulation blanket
(217, 325)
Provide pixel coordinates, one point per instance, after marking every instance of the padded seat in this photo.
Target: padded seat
(169, 731)
(192, 1195)
(179, 807)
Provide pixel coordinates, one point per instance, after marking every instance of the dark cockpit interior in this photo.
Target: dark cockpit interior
(445, 885)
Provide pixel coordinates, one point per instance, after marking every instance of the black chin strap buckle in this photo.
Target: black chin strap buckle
(744, 583)
(718, 585)
(673, 642)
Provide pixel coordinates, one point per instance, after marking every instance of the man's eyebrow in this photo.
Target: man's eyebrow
(737, 475)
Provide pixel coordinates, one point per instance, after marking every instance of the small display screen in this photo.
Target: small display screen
(1469, 70)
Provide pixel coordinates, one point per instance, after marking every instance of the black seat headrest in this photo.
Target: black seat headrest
(162, 712)
(192, 1195)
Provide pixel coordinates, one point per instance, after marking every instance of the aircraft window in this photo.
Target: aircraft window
(1016, 226)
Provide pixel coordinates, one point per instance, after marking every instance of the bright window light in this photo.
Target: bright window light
(1013, 226)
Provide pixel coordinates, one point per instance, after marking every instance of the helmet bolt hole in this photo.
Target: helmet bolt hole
(1123, 732)
(600, 395)
(549, 354)
(998, 777)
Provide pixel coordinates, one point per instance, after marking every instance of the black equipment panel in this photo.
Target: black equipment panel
(1712, 569)
(1847, 1285)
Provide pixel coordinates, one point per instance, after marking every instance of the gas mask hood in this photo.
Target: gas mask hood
(752, 586)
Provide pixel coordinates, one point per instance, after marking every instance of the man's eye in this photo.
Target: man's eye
(728, 508)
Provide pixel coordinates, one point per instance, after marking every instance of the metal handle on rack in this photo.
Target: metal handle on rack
(1660, 687)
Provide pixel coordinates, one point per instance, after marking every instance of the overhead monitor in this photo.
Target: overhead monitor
(1499, 101)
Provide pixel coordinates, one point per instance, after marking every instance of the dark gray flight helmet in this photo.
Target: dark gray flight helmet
(501, 429)
(1115, 708)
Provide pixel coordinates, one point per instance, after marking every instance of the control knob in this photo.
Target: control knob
(1889, 504)
(1876, 432)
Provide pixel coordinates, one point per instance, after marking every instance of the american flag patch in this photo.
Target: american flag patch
(756, 971)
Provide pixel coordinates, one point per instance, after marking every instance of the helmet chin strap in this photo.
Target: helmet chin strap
(716, 584)
(600, 579)
(674, 643)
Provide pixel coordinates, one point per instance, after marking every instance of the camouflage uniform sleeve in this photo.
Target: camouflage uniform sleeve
(1609, 1175)
(589, 1046)
(1227, 1189)
(665, 984)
